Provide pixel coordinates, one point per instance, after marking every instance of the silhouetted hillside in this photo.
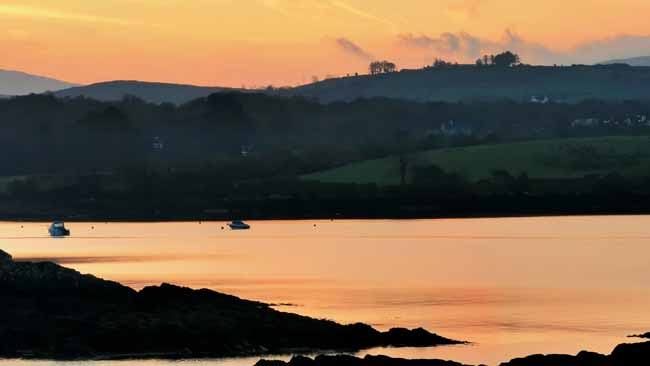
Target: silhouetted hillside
(450, 84)
(634, 61)
(470, 83)
(20, 83)
(150, 92)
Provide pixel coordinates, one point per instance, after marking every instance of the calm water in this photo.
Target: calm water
(512, 286)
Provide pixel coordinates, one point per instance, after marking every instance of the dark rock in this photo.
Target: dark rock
(301, 361)
(5, 258)
(583, 358)
(389, 361)
(48, 311)
(347, 360)
(542, 360)
(645, 335)
(587, 358)
(631, 354)
(419, 337)
(270, 363)
(337, 360)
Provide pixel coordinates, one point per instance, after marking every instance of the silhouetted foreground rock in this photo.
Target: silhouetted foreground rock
(344, 360)
(635, 354)
(583, 358)
(49, 311)
(645, 335)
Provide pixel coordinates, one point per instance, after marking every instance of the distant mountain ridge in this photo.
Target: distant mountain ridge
(633, 61)
(148, 91)
(21, 83)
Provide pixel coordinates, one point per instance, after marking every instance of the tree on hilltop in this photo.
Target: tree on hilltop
(382, 67)
(505, 59)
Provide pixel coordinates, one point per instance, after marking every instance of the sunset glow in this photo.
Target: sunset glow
(286, 42)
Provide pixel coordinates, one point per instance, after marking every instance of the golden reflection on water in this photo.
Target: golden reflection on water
(513, 286)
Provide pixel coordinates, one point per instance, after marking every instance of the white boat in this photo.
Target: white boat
(58, 230)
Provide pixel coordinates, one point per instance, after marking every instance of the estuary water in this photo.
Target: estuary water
(511, 286)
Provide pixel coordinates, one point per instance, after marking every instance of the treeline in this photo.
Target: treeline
(147, 194)
(41, 134)
(504, 59)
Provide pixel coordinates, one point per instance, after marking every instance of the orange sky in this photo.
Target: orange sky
(286, 42)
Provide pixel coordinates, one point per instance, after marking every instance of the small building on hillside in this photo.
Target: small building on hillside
(157, 144)
(246, 150)
(585, 122)
(540, 100)
(456, 128)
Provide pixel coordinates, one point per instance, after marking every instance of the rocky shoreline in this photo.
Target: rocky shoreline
(51, 312)
(635, 354)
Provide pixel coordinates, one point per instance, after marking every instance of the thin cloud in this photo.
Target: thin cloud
(353, 49)
(361, 13)
(299, 9)
(51, 14)
(465, 47)
(461, 44)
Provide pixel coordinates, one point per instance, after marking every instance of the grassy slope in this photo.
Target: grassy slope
(540, 159)
(569, 84)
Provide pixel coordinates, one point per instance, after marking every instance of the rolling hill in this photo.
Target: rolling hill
(450, 84)
(546, 159)
(634, 61)
(467, 83)
(150, 92)
(20, 83)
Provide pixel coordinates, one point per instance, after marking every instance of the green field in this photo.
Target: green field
(554, 159)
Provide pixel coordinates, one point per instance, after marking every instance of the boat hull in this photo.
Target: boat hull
(58, 233)
(239, 227)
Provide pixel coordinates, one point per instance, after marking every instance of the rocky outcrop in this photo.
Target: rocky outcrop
(5, 258)
(49, 311)
(346, 360)
(583, 358)
(633, 354)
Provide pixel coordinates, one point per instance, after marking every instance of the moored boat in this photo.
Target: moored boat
(58, 230)
(239, 225)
